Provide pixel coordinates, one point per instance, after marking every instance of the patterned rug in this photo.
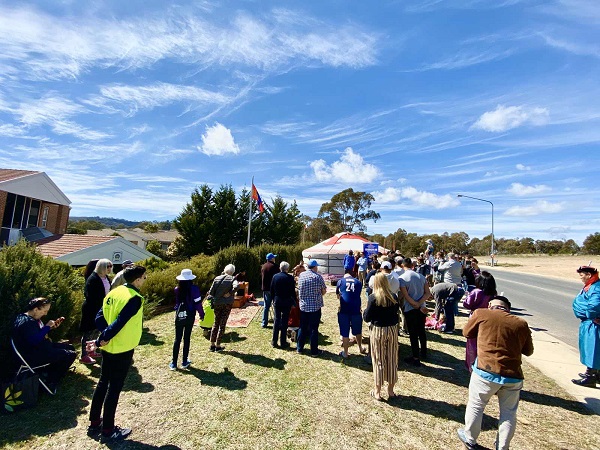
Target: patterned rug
(241, 317)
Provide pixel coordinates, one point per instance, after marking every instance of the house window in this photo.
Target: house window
(45, 216)
(34, 213)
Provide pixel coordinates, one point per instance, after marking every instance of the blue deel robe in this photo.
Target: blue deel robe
(586, 307)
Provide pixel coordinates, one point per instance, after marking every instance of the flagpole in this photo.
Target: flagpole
(250, 214)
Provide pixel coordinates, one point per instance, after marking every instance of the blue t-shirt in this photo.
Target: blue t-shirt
(349, 289)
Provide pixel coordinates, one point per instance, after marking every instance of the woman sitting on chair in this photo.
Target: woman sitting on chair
(30, 337)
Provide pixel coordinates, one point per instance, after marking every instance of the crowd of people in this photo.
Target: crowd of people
(397, 290)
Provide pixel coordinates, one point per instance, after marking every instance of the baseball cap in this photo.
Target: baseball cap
(313, 263)
(386, 265)
(127, 262)
(271, 256)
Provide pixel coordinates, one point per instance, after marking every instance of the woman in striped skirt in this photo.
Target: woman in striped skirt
(382, 312)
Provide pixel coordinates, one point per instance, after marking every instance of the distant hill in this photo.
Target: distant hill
(110, 222)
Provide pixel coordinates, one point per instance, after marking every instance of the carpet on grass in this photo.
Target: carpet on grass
(241, 317)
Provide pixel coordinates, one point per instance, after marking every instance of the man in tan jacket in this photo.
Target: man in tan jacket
(501, 340)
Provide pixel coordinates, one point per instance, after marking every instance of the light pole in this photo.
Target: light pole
(487, 201)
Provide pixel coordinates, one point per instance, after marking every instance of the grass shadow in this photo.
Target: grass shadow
(52, 413)
(558, 402)
(233, 336)
(258, 360)
(136, 445)
(149, 338)
(225, 379)
(134, 382)
(441, 409)
(450, 338)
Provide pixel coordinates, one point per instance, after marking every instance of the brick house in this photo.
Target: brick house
(30, 202)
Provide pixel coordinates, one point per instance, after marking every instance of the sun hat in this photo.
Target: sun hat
(186, 274)
(587, 269)
(271, 256)
(312, 263)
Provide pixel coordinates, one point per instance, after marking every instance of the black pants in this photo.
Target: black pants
(183, 329)
(106, 396)
(60, 357)
(415, 321)
(280, 325)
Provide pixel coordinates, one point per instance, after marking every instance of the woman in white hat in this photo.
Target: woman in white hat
(188, 301)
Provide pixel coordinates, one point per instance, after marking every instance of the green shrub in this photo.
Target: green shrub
(160, 284)
(25, 274)
(153, 264)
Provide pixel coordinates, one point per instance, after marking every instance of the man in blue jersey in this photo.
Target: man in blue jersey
(348, 291)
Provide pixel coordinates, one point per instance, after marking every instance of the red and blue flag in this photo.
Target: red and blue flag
(256, 196)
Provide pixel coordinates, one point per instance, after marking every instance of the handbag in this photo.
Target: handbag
(20, 393)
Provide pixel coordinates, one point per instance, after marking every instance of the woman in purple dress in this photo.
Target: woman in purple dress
(485, 290)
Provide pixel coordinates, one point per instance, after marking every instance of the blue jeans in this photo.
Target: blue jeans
(309, 326)
(451, 308)
(267, 300)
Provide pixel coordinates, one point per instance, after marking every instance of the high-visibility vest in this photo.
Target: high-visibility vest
(129, 336)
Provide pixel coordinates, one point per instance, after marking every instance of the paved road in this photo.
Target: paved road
(544, 302)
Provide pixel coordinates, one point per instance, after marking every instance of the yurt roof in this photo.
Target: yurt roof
(339, 243)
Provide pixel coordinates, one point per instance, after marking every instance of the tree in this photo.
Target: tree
(155, 248)
(151, 227)
(348, 210)
(591, 244)
(194, 223)
(317, 230)
(283, 223)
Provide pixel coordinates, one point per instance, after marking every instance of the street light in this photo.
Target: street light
(487, 201)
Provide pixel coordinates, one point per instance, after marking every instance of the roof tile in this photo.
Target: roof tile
(63, 244)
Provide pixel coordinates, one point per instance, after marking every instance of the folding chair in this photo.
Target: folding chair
(25, 367)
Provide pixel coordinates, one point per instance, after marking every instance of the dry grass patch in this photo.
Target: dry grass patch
(254, 396)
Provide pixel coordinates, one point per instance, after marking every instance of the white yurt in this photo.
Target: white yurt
(330, 253)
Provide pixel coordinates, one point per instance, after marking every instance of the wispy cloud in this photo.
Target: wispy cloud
(218, 141)
(536, 209)
(350, 168)
(521, 190)
(504, 118)
(43, 46)
(134, 98)
(522, 167)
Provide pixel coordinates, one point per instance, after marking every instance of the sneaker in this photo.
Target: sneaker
(219, 348)
(212, 348)
(95, 430)
(319, 353)
(463, 439)
(186, 364)
(117, 434)
(87, 359)
(172, 366)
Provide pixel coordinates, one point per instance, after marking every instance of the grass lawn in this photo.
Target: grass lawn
(254, 396)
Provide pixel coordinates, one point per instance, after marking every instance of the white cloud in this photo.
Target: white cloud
(507, 117)
(521, 190)
(429, 199)
(420, 198)
(539, 207)
(522, 167)
(351, 168)
(218, 140)
(389, 195)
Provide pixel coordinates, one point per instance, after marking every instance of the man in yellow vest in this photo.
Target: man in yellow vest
(120, 323)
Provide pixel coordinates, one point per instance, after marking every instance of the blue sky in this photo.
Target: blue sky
(130, 105)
